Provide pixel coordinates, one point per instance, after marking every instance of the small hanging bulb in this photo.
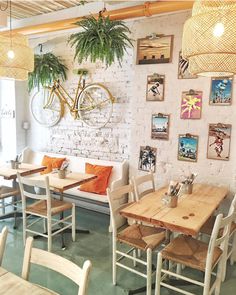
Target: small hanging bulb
(11, 54)
(218, 30)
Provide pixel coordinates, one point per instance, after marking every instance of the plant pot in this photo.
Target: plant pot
(189, 189)
(14, 164)
(173, 201)
(170, 201)
(61, 174)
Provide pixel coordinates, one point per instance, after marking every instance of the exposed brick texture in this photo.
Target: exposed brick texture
(130, 125)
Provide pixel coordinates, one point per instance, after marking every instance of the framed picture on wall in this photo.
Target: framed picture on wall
(187, 147)
(160, 126)
(156, 49)
(147, 158)
(221, 91)
(155, 87)
(191, 104)
(219, 136)
(183, 68)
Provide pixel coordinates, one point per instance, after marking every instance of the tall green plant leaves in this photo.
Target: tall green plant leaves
(101, 39)
(47, 68)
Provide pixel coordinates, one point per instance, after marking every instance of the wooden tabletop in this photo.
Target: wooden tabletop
(72, 179)
(188, 217)
(24, 169)
(12, 284)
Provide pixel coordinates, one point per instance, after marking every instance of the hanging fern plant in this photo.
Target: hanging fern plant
(47, 68)
(102, 39)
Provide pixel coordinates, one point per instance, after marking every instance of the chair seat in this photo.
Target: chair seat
(190, 252)
(6, 191)
(142, 236)
(40, 207)
(208, 227)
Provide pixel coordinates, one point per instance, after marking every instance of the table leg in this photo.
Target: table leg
(14, 184)
(62, 233)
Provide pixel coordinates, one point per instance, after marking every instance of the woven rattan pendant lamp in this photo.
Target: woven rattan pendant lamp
(209, 38)
(16, 57)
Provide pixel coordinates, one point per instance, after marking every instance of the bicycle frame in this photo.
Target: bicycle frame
(64, 96)
(71, 102)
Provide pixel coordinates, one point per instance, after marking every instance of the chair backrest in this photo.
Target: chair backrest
(31, 188)
(233, 207)
(3, 238)
(143, 185)
(117, 201)
(57, 263)
(220, 236)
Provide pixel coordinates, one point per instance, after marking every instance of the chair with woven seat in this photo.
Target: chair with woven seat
(3, 238)
(195, 254)
(7, 192)
(207, 230)
(143, 185)
(137, 236)
(44, 208)
(79, 276)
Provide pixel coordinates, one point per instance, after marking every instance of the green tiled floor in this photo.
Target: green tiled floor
(95, 246)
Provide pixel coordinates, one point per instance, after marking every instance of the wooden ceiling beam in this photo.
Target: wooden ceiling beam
(147, 9)
(59, 4)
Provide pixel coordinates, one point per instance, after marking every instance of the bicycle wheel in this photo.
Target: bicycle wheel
(95, 105)
(45, 113)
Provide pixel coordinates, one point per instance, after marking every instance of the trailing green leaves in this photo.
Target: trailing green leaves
(47, 68)
(101, 39)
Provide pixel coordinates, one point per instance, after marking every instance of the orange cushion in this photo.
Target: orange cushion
(51, 163)
(98, 185)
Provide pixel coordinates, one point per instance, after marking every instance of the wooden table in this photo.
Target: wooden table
(24, 170)
(188, 217)
(11, 174)
(10, 284)
(72, 179)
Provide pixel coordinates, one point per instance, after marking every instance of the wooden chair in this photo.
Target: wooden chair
(143, 185)
(44, 209)
(57, 263)
(3, 238)
(136, 236)
(231, 251)
(7, 192)
(193, 253)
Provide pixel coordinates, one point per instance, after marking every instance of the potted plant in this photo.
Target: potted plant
(47, 68)
(101, 39)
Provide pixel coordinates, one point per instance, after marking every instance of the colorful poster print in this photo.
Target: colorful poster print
(187, 148)
(191, 105)
(147, 158)
(155, 87)
(183, 68)
(221, 91)
(219, 136)
(154, 50)
(160, 126)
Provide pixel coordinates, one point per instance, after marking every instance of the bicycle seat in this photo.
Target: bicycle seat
(81, 71)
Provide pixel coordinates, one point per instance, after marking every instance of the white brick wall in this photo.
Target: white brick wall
(168, 167)
(131, 121)
(69, 136)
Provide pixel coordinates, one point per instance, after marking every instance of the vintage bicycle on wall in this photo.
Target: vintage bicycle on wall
(93, 103)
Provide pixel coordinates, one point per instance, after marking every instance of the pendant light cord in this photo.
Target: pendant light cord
(10, 26)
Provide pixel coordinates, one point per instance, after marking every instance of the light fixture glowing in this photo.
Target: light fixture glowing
(209, 39)
(11, 54)
(218, 30)
(16, 57)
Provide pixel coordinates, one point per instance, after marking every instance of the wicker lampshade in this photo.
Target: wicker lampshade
(18, 66)
(209, 39)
